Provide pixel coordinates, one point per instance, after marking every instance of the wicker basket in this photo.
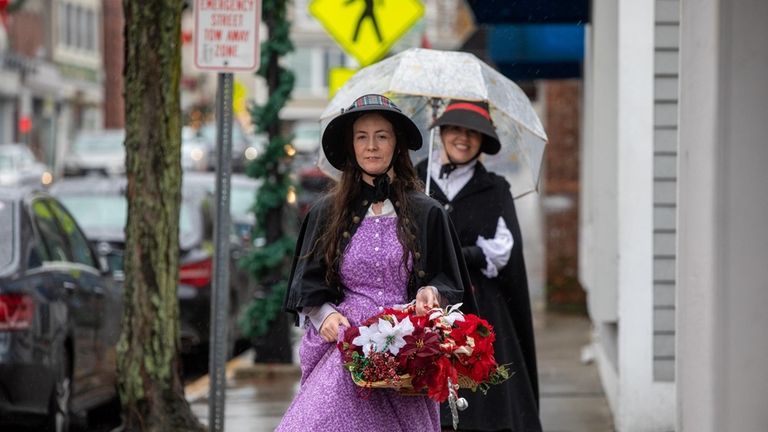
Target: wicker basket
(405, 384)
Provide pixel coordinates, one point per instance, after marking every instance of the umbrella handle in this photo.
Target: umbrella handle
(428, 180)
(435, 104)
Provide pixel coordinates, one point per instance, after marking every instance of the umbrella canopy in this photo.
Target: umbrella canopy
(417, 78)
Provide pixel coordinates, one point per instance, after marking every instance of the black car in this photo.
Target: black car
(59, 316)
(99, 203)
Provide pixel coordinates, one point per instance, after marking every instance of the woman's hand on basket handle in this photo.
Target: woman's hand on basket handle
(427, 299)
(329, 330)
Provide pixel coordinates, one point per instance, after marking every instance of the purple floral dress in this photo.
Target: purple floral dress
(374, 278)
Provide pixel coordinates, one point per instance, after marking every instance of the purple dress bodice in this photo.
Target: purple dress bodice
(372, 270)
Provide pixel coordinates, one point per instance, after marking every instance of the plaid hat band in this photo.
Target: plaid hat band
(373, 99)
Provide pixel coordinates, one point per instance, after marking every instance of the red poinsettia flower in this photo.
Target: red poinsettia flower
(346, 346)
(420, 347)
(481, 369)
(418, 355)
(438, 385)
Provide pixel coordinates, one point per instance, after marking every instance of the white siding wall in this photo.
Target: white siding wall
(665, 119)
(628, 213)
(598, 248)
(644, 405)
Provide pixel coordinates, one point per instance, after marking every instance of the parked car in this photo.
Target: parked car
(194, 154)
(245, 147)
(59, 316)
(243, 190)
(101, 206)
(312, 182)
(306, 137)
(18, 166)
(98, 151)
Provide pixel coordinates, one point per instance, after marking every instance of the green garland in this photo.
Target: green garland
(269, 263)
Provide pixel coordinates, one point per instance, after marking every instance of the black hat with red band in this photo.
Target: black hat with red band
(472, 115)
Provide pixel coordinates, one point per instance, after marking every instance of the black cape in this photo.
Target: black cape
(438, 264)
(504, 301)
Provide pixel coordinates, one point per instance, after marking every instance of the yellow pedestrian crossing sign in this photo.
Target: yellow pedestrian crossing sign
(366, 29)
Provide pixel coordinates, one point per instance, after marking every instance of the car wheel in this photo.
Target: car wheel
(59, 410)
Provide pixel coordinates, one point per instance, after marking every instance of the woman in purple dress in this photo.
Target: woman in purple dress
(375, 240)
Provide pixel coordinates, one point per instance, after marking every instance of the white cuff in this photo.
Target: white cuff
(497, 250)
(318, 314)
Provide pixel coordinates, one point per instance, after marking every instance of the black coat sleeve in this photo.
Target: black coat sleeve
(445, 266)
(306, 284)
(474, 257)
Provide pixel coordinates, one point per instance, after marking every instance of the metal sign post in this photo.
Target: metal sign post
(226, 40)
(220, 299)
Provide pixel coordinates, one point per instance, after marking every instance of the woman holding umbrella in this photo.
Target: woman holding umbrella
(375, 240)
(483, 211)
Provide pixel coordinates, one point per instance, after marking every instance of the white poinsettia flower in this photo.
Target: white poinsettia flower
(390, 336)
(450, 315)
(365, 339)
(453, 317)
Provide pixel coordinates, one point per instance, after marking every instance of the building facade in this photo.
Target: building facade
(628, 212)
(672, 246)
(52, 70)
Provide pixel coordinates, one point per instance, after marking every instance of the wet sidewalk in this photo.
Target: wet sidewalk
(572, 399)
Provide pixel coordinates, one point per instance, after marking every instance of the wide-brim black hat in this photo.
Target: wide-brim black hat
(339, 129)
(472, 115)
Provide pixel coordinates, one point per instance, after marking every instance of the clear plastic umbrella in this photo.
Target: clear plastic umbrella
(421, 81)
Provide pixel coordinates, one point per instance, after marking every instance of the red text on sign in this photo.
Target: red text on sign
(226, 20)
(226, 51)
(212, 35)
(237, 36)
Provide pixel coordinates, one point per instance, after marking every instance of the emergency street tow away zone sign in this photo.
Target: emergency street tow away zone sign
(227, 35)
(367, 29)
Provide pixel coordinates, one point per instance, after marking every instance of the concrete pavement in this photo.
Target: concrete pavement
(572, 398)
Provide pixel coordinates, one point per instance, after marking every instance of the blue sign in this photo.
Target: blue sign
(537, 51)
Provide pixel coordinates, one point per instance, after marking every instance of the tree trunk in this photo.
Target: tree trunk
(148, 353)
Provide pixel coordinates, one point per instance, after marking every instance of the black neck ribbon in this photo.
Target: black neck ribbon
(446, 169)
(379, 191)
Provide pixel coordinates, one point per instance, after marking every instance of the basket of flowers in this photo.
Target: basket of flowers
(433, 354)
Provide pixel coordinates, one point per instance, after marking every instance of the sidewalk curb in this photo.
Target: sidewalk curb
(247, 369)
(252, 370)
(242, 367)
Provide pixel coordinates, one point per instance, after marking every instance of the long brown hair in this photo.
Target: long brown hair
(347, 193)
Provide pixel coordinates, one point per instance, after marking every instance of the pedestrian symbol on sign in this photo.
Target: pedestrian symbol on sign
(367, 13)
(367, 29)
